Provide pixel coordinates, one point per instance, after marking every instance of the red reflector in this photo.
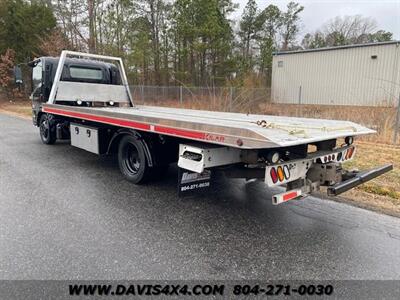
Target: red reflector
(273, 174)
(289, 196)
(351, 152)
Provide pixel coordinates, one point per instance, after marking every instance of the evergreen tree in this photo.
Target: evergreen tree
(249, 26)
(22, 24)
(290, 27)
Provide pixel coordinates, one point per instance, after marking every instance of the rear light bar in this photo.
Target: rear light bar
(289, 171)
(340, 156)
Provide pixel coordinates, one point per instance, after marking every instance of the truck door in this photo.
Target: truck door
(37, 89)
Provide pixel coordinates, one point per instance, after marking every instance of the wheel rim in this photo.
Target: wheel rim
(44, 129)
(132, 159)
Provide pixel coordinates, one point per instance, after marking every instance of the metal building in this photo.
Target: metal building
(366, 75)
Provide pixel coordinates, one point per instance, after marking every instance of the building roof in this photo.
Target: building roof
(337, 48)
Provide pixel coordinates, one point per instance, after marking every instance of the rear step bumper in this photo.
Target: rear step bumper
(357, 179)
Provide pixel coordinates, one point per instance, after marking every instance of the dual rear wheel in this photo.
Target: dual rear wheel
(133, 161)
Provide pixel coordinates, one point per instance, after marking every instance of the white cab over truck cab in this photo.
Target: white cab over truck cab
(86, 98)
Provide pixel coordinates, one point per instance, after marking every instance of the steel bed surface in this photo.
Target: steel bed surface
(246, 131)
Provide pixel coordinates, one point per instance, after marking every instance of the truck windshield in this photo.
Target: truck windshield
(86, 73)
(37, 73)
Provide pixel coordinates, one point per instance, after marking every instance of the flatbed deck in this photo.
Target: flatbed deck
(245, 131)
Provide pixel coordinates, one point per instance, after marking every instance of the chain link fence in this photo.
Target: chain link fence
(207, 98)
(384, 118)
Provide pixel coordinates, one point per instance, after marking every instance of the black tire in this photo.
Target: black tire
(132, 160)
(47, 130)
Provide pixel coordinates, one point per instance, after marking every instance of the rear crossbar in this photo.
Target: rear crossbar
(357, 179)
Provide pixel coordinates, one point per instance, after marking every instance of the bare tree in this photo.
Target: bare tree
(54, 43)
(71, 16)
(348, 29)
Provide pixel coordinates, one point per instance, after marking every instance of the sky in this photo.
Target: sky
(316, 13)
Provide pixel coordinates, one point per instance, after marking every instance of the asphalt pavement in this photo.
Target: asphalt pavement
(69, 214)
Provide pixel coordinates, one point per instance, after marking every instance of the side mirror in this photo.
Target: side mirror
(18, 75)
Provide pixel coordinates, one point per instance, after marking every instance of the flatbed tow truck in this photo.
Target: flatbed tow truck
(85, 98)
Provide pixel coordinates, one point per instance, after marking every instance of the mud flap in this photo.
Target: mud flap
(191, 182)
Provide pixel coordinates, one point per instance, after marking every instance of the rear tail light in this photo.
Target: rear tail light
(281, 175)
(286, 171)
(274, 176)
(349, 153)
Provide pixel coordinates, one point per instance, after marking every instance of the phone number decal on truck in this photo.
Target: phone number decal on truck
(192, 181)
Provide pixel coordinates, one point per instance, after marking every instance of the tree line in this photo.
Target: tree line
(181, 42)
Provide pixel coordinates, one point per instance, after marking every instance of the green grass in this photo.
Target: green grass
(370, 155)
